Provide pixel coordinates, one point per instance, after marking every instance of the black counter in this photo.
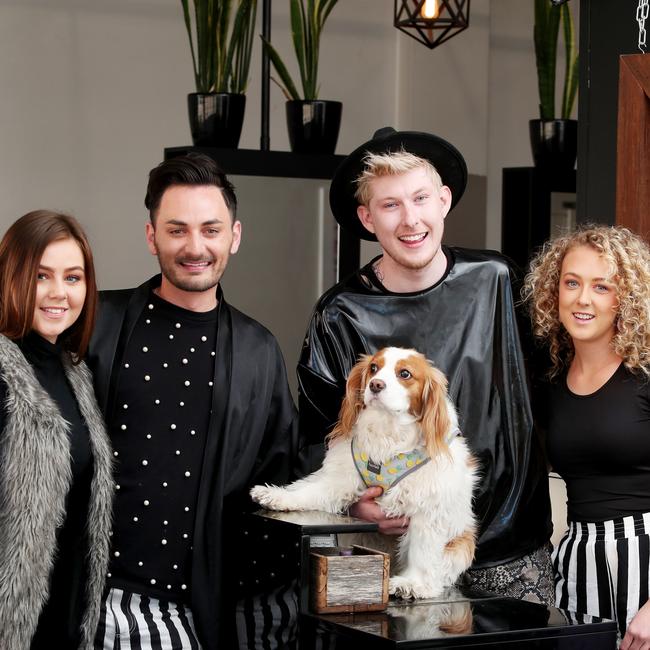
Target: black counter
(460, 618)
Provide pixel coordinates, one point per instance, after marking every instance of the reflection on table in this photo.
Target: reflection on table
(460, 618)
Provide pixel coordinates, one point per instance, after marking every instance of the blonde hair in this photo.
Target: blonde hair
(628, 259)
(390, 163)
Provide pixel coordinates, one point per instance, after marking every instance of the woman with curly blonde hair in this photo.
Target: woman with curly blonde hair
(589, 299)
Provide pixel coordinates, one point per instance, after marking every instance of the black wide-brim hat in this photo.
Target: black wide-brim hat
(447, 160)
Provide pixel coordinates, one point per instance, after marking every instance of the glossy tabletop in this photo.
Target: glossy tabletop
(461, 618)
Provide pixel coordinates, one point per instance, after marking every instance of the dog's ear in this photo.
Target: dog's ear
(434, 418)
(353, 400)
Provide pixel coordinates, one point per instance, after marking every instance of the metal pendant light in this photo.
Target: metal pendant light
(431, 22)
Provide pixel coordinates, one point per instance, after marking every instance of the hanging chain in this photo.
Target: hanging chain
(641, 16)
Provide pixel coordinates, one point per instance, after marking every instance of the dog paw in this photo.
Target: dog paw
(271, 497)
(409, 589)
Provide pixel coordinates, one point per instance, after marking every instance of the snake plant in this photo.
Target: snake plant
(220, 43)
(307, 22)
(546, 31)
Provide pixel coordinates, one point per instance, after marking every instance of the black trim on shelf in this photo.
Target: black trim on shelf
(253, 162)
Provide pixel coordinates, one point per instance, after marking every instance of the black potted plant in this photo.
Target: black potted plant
(313, 123)
(554, 141)
(221, 46)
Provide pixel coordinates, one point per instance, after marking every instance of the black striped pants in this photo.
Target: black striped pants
(602, 568)
(133, 622)
(269, 621)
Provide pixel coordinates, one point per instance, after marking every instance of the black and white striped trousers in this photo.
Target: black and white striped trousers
(133, 622)
(269, 621)
(603, 568)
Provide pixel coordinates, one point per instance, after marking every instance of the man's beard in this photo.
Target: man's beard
(409, 263)
(188, 283)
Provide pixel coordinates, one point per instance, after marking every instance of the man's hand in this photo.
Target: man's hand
(366, 508)
(637, 635)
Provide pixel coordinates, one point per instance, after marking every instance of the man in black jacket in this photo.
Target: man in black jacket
(457, 307)
(198, 407)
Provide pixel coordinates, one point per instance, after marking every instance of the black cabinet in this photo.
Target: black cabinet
(526, 208)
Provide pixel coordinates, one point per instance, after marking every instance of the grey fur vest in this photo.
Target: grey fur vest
(35, 476)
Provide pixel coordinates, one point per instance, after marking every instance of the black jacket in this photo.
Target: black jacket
(466, 325)
(252, 429)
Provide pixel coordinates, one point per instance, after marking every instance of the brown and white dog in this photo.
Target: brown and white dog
(398, 429)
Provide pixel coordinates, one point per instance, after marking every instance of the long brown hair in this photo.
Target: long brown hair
(21, 250)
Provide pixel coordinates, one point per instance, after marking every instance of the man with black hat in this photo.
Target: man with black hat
(457, 307)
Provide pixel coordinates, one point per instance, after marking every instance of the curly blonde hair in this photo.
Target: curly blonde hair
(628, 258)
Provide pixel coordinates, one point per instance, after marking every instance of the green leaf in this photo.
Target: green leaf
(220, 44)
(287, 81)
(570, 90)
(326, 8)
(241, 43)
(546, 30)
(281, 87)
(299, 35)
(307, 22)
(571, 64)
(314, 30)
(205, 44)
(188, 27)
(222, 62)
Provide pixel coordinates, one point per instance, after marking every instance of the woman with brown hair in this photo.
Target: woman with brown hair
(55, 459)
(589, 296)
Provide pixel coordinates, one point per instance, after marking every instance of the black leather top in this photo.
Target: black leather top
(467, 326)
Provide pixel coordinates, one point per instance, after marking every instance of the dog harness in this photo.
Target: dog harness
(393, 470)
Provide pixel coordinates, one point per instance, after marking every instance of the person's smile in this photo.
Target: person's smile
(414, 240)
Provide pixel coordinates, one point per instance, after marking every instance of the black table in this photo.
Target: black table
(463, 620)
(460, 618)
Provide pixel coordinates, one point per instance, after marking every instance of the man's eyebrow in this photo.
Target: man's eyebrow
(180, 222)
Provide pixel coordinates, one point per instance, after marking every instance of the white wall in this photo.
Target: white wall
(91, 91)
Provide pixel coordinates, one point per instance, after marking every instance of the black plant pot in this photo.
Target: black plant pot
(216, 119)
(313, 125)
(554, 143)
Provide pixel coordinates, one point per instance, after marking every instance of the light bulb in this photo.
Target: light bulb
(430, 9)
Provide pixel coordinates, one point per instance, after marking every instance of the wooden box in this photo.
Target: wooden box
(348, 579)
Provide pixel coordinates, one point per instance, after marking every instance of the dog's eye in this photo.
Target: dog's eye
(373, 368)
(405, 374)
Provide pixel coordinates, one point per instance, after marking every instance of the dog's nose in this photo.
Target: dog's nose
(377, 385)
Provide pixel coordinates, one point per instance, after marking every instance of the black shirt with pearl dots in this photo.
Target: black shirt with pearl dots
(162, 409)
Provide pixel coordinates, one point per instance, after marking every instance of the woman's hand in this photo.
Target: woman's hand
(637, 635)
(366, 508)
